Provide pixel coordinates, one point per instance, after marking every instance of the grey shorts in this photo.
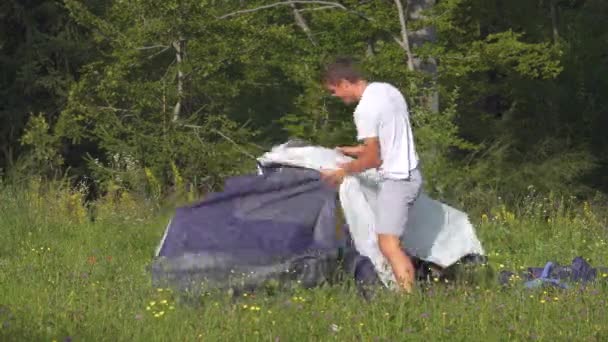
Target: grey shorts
(395, 199)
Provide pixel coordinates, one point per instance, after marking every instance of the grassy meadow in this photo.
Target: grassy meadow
(65, 277)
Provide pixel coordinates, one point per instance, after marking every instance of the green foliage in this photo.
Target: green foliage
(43, 157)
(141, 90)
(436, 136)
(126, 104)
(41, 51)
(513, 98)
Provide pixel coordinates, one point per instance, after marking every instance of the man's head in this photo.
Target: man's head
(343, 80)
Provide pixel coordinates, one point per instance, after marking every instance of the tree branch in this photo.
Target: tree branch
(301, 22)
(152, 47)
(238, 147)
(114, 109)
(284, 3)
(405, 42)
(159, 52)
(399, 42)
(320, 8)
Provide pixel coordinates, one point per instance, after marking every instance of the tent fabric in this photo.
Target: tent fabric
(436, 232)
(278, 225)
(290, 200)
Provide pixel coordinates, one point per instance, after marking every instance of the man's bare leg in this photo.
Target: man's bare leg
(402, 265)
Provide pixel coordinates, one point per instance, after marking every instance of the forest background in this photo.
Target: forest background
(167, 98)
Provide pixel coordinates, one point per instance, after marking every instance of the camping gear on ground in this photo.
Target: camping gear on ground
(555, 275)
(279, 225)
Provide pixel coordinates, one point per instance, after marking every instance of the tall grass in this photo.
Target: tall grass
(74, 272)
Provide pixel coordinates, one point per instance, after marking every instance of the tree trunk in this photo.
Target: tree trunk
(418, 38)
(370, 48)
(405, 40)
(554, 21)
(179, 46)
(8, 156)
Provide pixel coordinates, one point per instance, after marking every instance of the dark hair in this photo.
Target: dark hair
(343, 68)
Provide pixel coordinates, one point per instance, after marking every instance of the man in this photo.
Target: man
(382, 121)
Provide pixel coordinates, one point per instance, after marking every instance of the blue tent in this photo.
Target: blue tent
(277, 225)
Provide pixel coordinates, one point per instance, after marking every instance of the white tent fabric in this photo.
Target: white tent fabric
(436, 232)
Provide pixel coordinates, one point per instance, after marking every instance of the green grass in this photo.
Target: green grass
(63, 277)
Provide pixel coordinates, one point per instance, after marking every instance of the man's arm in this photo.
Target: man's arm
(368, 158)
(353, 151)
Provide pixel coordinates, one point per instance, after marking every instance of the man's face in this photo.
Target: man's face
(343, 90)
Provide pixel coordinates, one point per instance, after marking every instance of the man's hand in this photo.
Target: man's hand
(353, 151)
(334, 177)
(369, 157)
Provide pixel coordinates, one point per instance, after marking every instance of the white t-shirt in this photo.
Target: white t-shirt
(382, 112)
